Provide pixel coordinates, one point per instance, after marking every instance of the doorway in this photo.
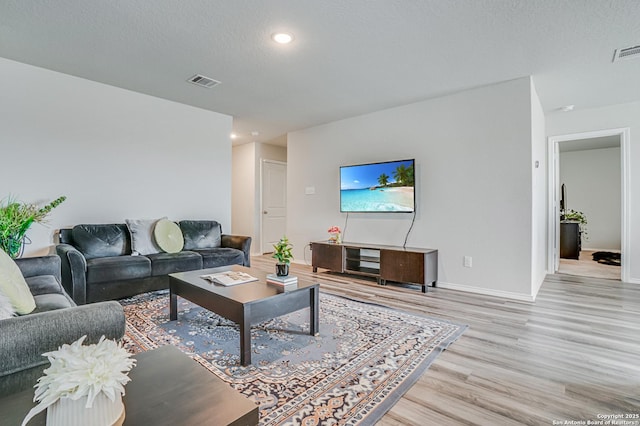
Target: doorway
(583, 145)
(273, 203)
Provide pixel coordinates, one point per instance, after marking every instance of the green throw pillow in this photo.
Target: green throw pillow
(14, 287)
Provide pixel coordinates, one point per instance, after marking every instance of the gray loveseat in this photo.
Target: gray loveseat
(98, 262)
(55, 321)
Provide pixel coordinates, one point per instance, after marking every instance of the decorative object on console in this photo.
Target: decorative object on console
(84, 384)
(168, 236)
(334, 235)
(15, 220)
(284, 256)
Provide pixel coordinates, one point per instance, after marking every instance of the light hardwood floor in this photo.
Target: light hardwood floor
(585, 266)
(574, 354)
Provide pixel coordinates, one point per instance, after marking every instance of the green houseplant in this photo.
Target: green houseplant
(576, 216)
(15, 220)
(283, 254)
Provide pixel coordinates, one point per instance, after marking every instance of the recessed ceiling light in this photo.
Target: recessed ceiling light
(567, 108)
(282, 38)
(233, 136)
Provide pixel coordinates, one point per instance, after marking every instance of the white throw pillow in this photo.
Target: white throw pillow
(142, 240)
(6, 308)
(14, 287)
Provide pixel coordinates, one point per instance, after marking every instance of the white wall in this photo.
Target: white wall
(473, 154)
(592, 180)
(243, 193)
(539, 194)
(114, 153)
(246, 213)
(612, 117)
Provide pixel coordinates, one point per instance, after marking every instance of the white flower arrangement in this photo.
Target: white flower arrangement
(79, 371)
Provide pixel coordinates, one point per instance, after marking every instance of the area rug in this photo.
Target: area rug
(607, 258)
(364, 359)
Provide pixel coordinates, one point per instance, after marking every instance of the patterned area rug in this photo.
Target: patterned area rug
(365, 358)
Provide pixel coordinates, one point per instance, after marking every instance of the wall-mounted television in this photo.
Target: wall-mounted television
(387, 187)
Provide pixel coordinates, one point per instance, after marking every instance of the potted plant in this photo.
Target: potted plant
(571, 215)
(284, 256)
(15, 220)
(334, 235)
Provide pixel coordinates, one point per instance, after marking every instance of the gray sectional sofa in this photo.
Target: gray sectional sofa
(55, 321)
(98, 262)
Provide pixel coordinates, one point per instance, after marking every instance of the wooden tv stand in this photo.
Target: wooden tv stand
(385, 263)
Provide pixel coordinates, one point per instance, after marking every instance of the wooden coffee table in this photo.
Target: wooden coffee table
(166, 388)
(244, 304)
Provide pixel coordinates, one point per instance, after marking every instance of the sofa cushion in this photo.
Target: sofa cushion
(43, 284)
(168, 263)
(102, 240)
(201, 234)
(52, 301)
(142, 238)
(14, 287)
(117, 268)
(221, 256)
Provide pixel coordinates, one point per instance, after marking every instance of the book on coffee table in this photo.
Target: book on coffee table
(229, 278)
(283, 281)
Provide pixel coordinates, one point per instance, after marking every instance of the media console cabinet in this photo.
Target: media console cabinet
(385, 263)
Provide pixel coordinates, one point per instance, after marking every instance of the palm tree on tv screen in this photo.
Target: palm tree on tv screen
(404, 175)
(383, 179)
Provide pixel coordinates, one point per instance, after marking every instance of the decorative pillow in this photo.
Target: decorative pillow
(201, 234)
(14, 287)
(6, 308)
(168, 236)
(142, 240)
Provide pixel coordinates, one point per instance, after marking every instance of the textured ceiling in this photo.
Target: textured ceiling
(348, 57)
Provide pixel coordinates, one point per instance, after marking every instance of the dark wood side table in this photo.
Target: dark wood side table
(166, 388)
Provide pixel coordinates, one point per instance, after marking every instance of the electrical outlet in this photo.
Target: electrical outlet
(468, 262)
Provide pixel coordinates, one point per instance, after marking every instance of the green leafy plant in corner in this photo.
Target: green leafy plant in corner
(15, 220)
(283, 251)
(576, 216)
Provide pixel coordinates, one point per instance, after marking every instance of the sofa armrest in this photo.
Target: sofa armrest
(25, 338)
(74, 272)
(44, 265)
(241, 243)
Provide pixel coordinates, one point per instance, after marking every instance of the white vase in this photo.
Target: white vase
(104, 412)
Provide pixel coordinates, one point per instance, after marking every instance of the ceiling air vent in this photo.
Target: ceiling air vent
(626, 54)
(203, 81)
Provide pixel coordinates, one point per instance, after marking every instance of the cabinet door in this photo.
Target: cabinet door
(569, 240)
(402, 266)
(327, 256)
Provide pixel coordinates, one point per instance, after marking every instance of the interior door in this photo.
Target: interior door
(274, 203)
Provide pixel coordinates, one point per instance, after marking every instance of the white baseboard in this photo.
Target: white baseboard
(486, 291)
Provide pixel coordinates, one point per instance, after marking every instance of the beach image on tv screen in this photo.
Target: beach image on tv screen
(379, 187)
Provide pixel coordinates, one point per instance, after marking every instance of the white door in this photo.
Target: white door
(274, 203)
